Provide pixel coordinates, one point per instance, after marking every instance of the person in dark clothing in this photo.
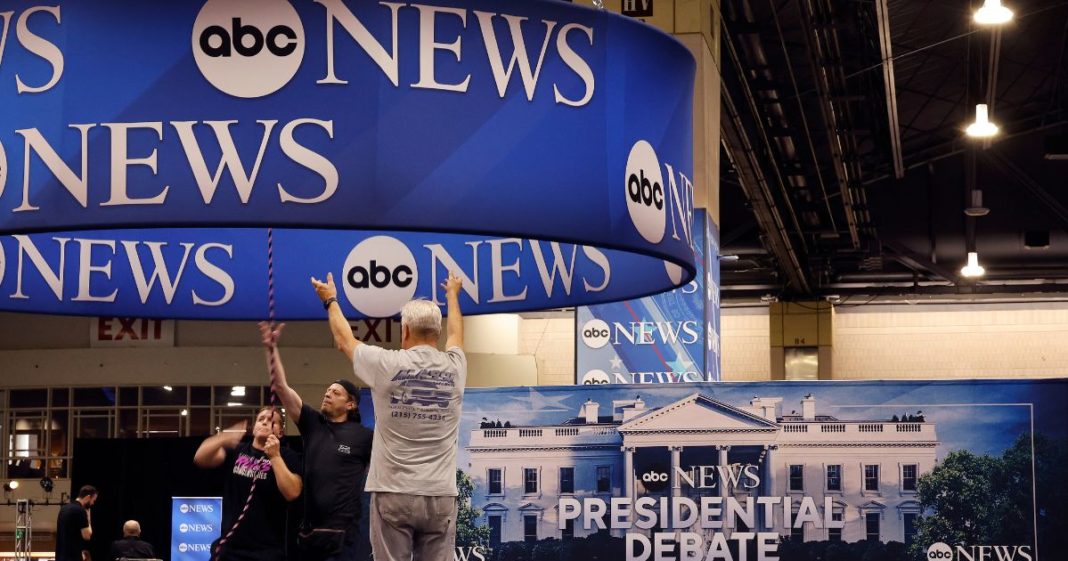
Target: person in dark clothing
(337, 449)
(260, 534)
(74, 526)
(131, 546)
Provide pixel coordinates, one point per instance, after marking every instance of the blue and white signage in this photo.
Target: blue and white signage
(195, 523)
(145, 148)
(671, 337)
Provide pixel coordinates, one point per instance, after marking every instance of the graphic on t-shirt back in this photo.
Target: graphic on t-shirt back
(428, 388)
(253, 468)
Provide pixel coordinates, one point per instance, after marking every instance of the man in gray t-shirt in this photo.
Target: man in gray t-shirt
(417, 393)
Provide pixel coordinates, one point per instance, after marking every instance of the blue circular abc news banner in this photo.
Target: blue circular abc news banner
(542, 150)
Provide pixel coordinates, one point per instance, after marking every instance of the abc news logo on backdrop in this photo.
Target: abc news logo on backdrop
(380, 276)
(196, 528)
(940, 551)
(194, 547)
(248, 48)
(186, 508)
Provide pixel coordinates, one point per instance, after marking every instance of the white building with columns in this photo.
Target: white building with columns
(868, 468)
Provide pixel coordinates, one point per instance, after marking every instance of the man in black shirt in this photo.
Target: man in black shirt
(74, 526)
(131, 546)
(260, 535)
(337, 449)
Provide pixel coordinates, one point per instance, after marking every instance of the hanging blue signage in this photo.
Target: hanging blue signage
(713, 369)
(195, 523)
(671, 337)
(176, 123)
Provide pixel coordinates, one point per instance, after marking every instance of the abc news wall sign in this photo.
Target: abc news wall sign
(487, 119)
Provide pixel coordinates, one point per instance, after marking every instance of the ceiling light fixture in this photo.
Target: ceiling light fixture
(992, 13)
(982, 127)
(973, 268)
(976, 209)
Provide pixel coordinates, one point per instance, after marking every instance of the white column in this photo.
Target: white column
(769, 478)
(723, 491)
(628, 472)
(676, 464)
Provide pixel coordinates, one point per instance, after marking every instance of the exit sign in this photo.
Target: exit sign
(131, 332)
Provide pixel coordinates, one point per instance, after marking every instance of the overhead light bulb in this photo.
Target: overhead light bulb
(993, 13)
(982, 127)
(238, 391)
(973, 268)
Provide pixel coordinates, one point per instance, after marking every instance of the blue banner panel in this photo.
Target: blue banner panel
(195, 523)
(530, 120)
(663, 338)
(796, 471)
(223, 273)
(713, 358)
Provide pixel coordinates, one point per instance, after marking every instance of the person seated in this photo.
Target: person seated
(131, 546)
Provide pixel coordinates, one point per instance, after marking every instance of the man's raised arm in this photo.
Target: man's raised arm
(279, 385)
(455, 319)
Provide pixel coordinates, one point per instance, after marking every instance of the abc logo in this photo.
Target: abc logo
(3, 168)
(595, 333)
(595, 378)
(939, 550)
(674, 272)
(656, 479)
(184, 509)
(380, 276)
(183, 528)
(183, 547)
(248, 48)
(645, 192)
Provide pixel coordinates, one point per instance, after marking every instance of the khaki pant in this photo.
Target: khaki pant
(412, 527)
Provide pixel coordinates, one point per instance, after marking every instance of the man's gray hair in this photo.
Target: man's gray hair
(422, 317)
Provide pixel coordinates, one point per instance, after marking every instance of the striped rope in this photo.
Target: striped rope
(274, 398)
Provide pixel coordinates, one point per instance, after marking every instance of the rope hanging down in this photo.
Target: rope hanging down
(274, 398)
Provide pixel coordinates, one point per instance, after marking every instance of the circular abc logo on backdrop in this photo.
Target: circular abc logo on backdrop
(184, 508)
(3, 168)
(183, 547)
(595, 333)
(248, 48)
(645, 192)
(939, 550)
(674, 272)
(183, 528)
(380, 276)
(595, 378)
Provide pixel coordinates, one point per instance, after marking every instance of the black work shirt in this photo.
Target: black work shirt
(335, 458)
(69, 542)
(264, 526)
(131, 547)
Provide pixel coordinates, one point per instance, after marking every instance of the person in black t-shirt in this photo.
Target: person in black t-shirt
(260, 535)
(131, 546)
(337, 450)
(74, 526)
